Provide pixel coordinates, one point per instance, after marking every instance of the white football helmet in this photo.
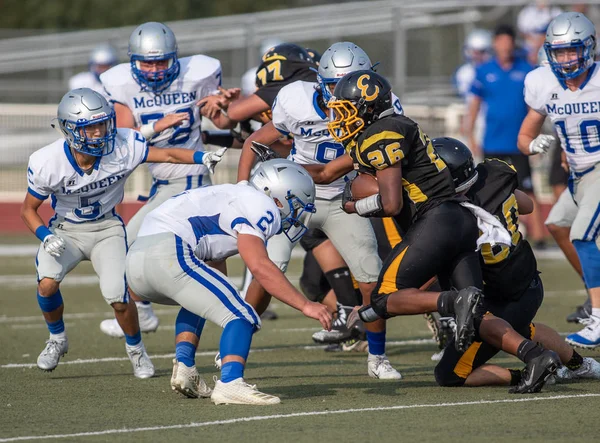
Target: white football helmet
(81, 108)
(153, 41)
(478, 46)
(570, 30)
(338, 60)
(293, 191)
(102, 58)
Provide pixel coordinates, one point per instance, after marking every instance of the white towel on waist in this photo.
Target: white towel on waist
(491, 229)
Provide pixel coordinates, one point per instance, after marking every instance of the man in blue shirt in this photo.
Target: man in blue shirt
(498, 86)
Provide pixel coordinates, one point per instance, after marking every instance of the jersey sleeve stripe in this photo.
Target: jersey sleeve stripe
(37, 195)
(241, 220)
(383, 135)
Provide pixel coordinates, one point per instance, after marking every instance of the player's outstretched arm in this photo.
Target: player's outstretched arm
(329, 172)
(530, 141)
(247, 107)
(474, 105)
(253, 252)
(185, 156)
(266, 135)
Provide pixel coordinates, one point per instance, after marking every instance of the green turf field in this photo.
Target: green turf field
(92, 396)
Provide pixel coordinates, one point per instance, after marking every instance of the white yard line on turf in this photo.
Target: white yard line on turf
(74, 316)
(294, 415)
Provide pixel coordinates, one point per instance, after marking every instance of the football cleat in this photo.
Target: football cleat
(355, 345)
(442, 328)
(581, 312)
(537, 372)
(148, 322)
(378, 366)
(142, 365)
(50, 356)
(589, 369)
(218, 361)
(466, 305)
(269, 315)
(188, 382)
(238, 392)
(339, 331)
(588, 337)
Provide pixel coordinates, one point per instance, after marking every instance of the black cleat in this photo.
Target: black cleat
(537, 372)
(466, 307)
(581, 312)
(340, 332)
(442, 328)
(269, 315)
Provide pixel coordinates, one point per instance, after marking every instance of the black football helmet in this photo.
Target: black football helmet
(359, 99)
(314, 54)
(459, 160)
(287, 51)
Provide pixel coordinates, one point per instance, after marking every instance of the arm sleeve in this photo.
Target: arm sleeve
(37, 185)
(280, 117)
(269, 92)
(140, 149)
(532, 96)
(242, 225)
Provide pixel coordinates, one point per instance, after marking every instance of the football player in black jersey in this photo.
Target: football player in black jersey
(512, 286)
(415, 187)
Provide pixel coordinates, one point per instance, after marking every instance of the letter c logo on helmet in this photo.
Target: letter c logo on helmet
(364, 88)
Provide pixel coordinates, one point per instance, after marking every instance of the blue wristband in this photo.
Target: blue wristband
(42, 232)
(198, 156)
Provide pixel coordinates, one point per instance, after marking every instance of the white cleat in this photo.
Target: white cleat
(238, 392)
(218, 361)
(380, 367)
(188, 382)
(590, 368)
(50, 356)
(147, 319)
(142, 365)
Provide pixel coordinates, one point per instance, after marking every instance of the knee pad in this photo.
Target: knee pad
(379, 304)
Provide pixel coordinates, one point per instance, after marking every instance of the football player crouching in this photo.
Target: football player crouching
(168, 265)
(85, 172)
(513, 288)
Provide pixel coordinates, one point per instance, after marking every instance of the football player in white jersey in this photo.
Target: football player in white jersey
(568, 91)
(102, 58)
(300, 110)
(157, 93)
(168, 264)
(84, 173)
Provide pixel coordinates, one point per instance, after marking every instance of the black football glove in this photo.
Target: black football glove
(347, 194)
(263, 152)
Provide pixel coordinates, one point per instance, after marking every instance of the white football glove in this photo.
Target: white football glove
(541, 144)
(211, 159)
(54, 245)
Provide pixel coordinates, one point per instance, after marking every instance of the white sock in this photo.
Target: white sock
(59, 337)
(596, 312)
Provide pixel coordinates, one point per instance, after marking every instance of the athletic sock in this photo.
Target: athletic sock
(50, 304)
(575, 362)
(596, 312)
(185, 352)
(376, 342)
(133, 340)
(232, 371)
(340, 281)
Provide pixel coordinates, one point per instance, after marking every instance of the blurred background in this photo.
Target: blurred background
(419, 45)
